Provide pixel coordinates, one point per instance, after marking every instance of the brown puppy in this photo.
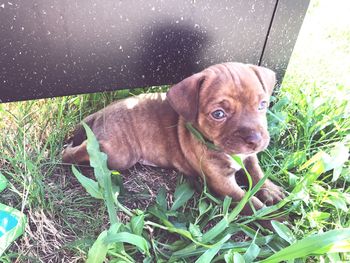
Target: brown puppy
(227, 103)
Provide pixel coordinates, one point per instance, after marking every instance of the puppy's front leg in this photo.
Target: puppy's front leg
(221, 179)
(269, 193)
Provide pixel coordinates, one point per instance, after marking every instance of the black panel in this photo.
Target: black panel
(60, 47)
(288, 18)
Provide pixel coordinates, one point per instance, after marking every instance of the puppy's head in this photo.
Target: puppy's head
(227, 103)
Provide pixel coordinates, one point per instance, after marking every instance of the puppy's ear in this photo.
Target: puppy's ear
(266, 77)
(183, 97)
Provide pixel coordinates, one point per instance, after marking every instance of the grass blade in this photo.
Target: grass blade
(210, 253)
(283, 231)
(215, 231)
(332, 241)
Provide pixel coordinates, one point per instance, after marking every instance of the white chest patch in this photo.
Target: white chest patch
(234, 164)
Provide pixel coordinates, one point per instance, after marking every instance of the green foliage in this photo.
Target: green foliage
(332, 241)
(308, 156)
(182, 194)
(198, 243)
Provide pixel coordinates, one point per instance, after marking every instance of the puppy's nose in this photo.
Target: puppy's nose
(253, 139)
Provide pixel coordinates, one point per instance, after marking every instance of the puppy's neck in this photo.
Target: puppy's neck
(199, 136)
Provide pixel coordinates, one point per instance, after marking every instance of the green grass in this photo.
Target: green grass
(310, 117)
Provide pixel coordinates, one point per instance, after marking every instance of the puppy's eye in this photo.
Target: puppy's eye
(218, 114)
(263, 105)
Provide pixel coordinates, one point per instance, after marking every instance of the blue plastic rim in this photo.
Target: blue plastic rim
(12, 225)
(7, 222)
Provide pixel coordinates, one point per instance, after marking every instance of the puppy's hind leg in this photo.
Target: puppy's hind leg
(75, 154)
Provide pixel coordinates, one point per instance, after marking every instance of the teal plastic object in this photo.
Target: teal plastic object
(12, 221)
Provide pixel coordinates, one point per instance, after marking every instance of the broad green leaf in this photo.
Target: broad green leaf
(211, 252)
(98, 251)
(238, 258)
(229, 256)
(154, 210)
(161, 199)
(137, 223)
(238, 160)
(318, 156)
(336, 173)
(251, 253)
(133, 239)
(339, 155)
(98, 160)
(182, 194)
(292, 179)
(337, 200)
(294, 160)
(316, 170)
(283, 231)
(316, 217)
(196, 133)
(203, 206)
(200, 137)
(334, 257)
(90, 185)
(329, 242)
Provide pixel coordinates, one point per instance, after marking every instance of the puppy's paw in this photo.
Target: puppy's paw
(270, 193)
